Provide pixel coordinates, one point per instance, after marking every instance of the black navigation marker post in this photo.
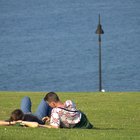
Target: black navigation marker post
(100, 31)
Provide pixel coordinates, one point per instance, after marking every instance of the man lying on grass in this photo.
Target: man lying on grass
(63, 115)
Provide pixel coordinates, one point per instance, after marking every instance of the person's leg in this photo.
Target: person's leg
(43, 110)
(26, 105)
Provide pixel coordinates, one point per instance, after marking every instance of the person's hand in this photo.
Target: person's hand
(13, 122)
(46, 119)
(19, 121)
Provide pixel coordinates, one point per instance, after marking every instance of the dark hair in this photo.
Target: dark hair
(17, 114)
(51, 96)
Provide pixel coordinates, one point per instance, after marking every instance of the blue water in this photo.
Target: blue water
(51, 45)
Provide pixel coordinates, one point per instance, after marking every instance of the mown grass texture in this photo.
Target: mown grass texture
(114, 116)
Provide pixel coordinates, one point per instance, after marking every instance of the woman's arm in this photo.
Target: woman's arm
(7, 123)
(25, 123)
(4, 123)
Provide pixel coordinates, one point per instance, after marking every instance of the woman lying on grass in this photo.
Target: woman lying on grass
(25, 117)
(18, 118)
(63, 115)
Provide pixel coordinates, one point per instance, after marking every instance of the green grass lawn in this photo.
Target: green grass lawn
(116, 116)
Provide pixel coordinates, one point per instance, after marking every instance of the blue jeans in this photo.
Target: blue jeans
(43, 108)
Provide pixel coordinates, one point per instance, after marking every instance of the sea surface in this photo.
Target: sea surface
(51, 45)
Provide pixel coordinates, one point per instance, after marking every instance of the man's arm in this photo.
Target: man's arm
(35, 124)
(29, 124)
(47, 126)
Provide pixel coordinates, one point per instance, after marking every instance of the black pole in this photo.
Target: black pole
(100, 31)
(100, 64)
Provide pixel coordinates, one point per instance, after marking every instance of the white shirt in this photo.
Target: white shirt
(65, 118)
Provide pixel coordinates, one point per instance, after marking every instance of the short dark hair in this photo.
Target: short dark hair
(51, 97)
(16, 115)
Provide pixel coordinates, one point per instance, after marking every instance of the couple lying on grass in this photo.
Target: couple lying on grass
(51, 113)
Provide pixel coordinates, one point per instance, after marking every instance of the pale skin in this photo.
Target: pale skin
(24, 123)
(5, 123)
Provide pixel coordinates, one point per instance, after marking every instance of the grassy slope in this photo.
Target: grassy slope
(115, 116)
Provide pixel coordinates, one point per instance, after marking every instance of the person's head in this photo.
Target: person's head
(52, 99)
(16, 115)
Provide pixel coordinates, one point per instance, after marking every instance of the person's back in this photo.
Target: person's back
(65, 117)
(31, 118)
(17, 114)
(65, 114)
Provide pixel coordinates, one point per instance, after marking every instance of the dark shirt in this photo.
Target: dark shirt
(32, 118)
